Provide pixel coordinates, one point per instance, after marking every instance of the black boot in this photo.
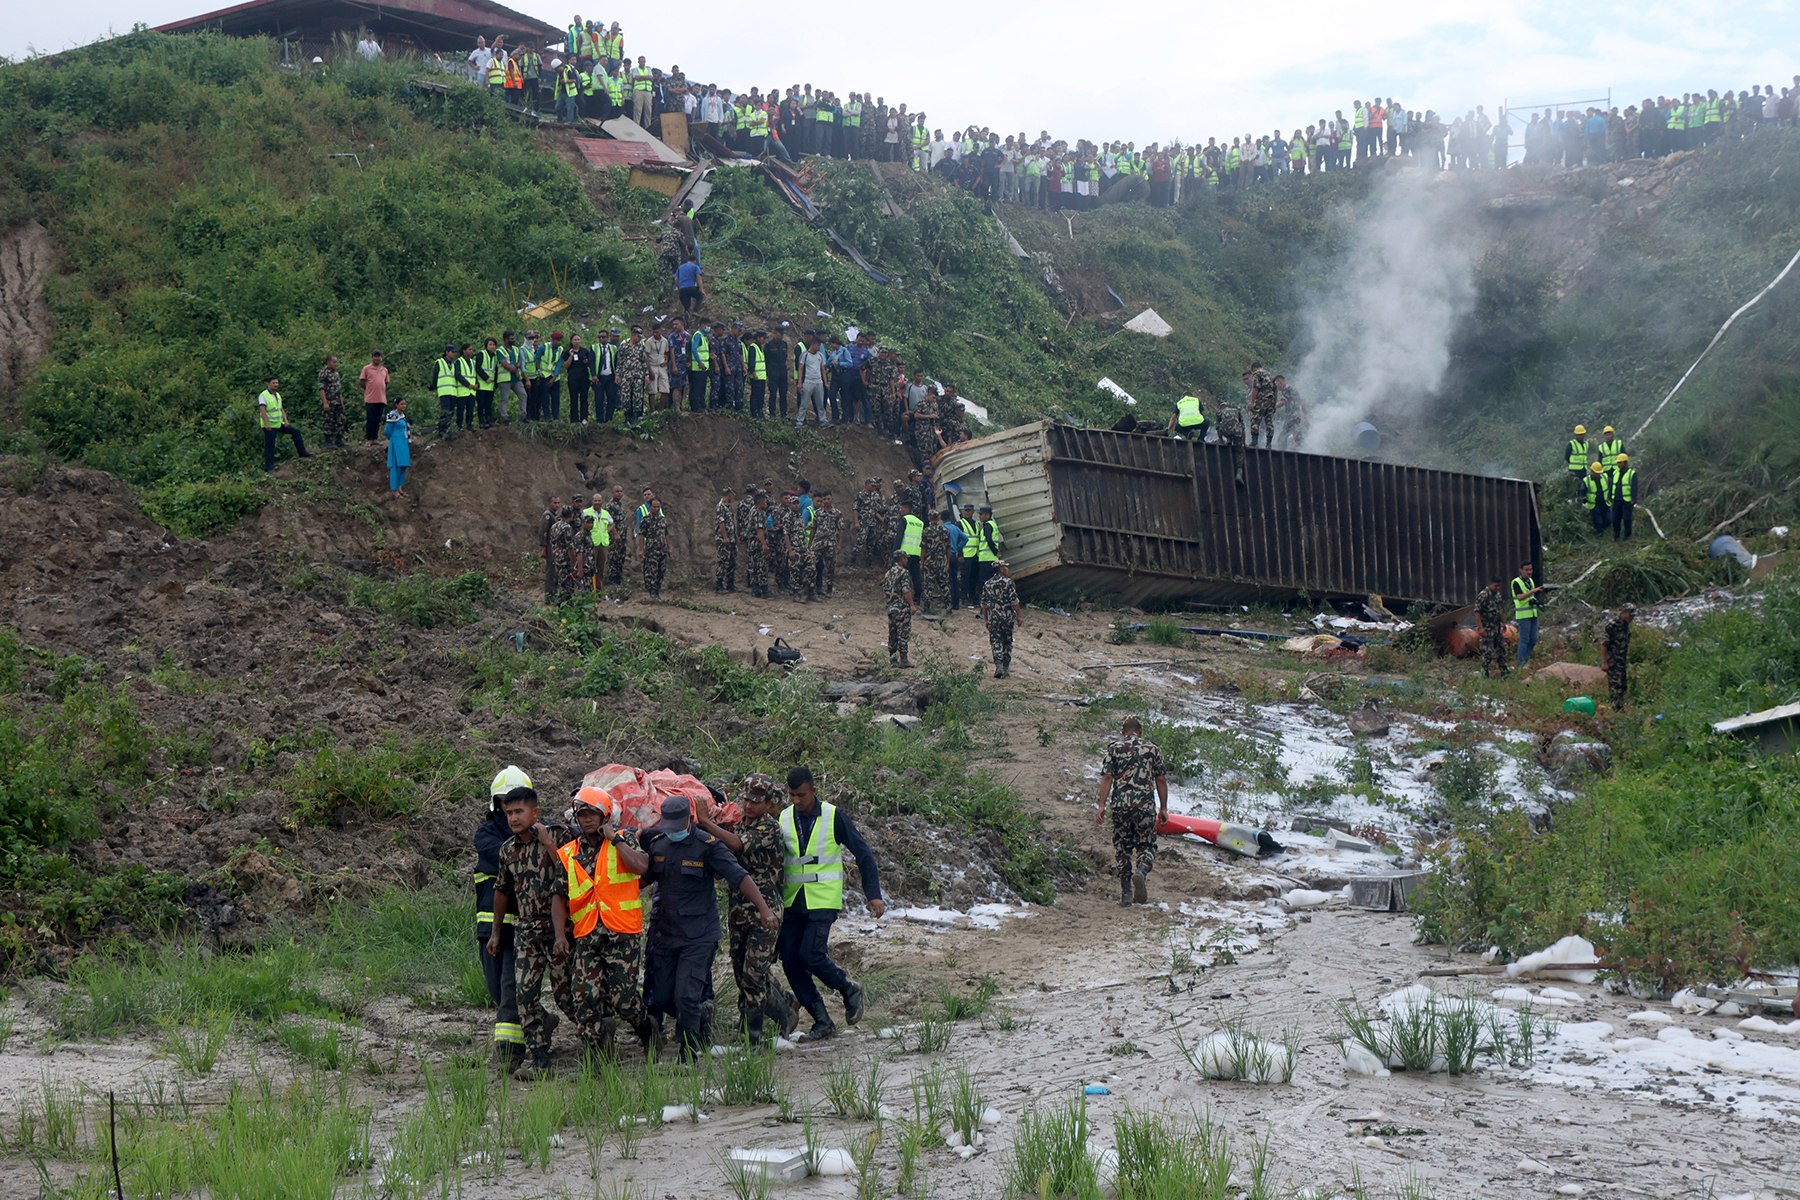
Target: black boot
(537, 1068)
(780, 1007)
(853, 1002)
(1140, 889)
(707, 1009)
(823, 1026)
(753, 1027)
(1125, 893)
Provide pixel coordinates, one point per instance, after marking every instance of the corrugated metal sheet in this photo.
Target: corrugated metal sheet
(1135, 517)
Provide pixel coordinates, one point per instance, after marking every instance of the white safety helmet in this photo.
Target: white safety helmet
(508, 780)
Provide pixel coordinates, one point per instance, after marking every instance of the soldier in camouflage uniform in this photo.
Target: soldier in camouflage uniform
(633, 375)
(551, 514)
(797, 534)
(1294, 420)
(1231, 436)
(756, 542)
(897, 587)
(1490, 609)
(827, 533)
(331, 394)
(725, 543)
(1615, 647)
(668, 258)
(918, 490)
(562, 558)
(532, 884)
(757, 845)
(615, 558)
(925, 431)
(605, 984)
(882, 373)
(653, 549)
(896, 520)
(934, 560)
(1000, 609)
(1132, 767)
(729, 359)
(871, 526)
(1262, 403)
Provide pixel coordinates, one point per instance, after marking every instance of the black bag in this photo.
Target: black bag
(781, 653)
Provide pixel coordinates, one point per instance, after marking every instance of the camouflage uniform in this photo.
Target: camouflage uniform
(924, 434)
(615, 564)
(881, 393)
(934, 558)
(655, 535)
(668, 255)
(332, 385)
(871, 529)
(547, 522)
(896, 585)
(799, 552)
(756, 568)
(1293, 418)
(632, 372)
(1615, 636)
(998, 597)
(1134, 763)
(562, 562)
(730, 350)
(530, 876)
(827, 532)
(1262, 405)
(725, 543)
(1231, 436)
(775, 530)
(604, 968)
(752, 946)
(1491, 606)
(896, 521)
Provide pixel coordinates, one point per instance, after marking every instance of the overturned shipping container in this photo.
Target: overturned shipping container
(1132, 518)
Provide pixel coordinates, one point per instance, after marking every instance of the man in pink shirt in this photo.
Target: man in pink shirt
(374, 380)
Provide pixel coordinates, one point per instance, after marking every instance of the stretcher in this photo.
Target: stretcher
(1239, 839)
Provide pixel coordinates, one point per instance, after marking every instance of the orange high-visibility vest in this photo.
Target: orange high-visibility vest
(514, 77)
(613, 898)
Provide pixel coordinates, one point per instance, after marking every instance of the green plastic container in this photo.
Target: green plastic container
(1580, 704)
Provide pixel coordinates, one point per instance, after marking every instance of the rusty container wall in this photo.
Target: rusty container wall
(1143, 518)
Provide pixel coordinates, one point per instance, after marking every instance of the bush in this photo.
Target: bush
(388, 780)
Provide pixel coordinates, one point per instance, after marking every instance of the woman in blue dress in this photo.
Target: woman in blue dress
(399, 448)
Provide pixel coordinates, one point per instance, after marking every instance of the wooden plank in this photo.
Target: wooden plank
(673, 127)
(668, 185)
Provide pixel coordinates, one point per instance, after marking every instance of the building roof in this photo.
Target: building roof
(442, 25)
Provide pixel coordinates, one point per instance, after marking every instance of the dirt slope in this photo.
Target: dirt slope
(25, 259)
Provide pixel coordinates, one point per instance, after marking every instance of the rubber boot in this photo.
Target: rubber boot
(780, 1007)
(1140, 889)
(823, 1026)
(853, 1002)
(753, 1028)
(707, 1009)
(1124, 893)
(537, 1068)
(649, 1032)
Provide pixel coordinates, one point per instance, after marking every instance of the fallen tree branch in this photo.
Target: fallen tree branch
(1585, 574)
(1734, 516)
(1654, 525)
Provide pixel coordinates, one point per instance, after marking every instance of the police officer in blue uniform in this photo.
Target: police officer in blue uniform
(684, 932)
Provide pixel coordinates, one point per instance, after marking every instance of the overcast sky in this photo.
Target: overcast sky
(1154, 71)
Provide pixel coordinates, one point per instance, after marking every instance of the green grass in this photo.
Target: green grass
(389, 779)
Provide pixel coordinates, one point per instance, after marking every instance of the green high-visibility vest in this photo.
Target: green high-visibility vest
(817, 867)
(1593, 488)
(853, 115)
(921, 137)
(1297, 151)
(446, 377)
(758, 123)
(1622, 484)
(641, 80)
(1192, 414)
(487, 370)
(465, 376)
(272, 402)
(615, 45)
(531, 361)
(969, 534)
(756, 359)
(990, 542)
(1524, 607)
(496, 72)
(826, 115)
(1345, 140)
(1360, 118)
(1578, 455)
(700, 351)
(602, 535)
(1232, 158)
(615, 88)
(1609, 452)
(1678, 116)
(551, 363)
(909, 541)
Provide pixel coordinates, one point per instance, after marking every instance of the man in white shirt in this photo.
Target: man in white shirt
(369, 48)
(479, 58)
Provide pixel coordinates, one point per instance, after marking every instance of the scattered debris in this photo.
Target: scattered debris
(1775, 730)
(1150, 322)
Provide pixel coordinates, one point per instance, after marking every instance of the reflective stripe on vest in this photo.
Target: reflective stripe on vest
(1578, 455)
(613, 898)
(909, 541)
(969, 535)
(1622, 484)
(1523, 609)
(1593, 488)
(1609, 452)
(818, 867)
(1189, 408)
(465, 376)
(640, 79)
(756, 357)
(487, 370)
(271, 402)
(989, 552)
(446, 377)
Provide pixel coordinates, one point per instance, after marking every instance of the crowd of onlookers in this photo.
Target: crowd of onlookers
(590, 75)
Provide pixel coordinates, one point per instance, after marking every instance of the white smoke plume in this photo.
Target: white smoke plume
(1378, 332)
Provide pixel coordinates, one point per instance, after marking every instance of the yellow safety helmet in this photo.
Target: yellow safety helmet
(1596, 468)
(1582, 430)
(1623, 457)
(509, 779)
(1608, 429)
(598, 797)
